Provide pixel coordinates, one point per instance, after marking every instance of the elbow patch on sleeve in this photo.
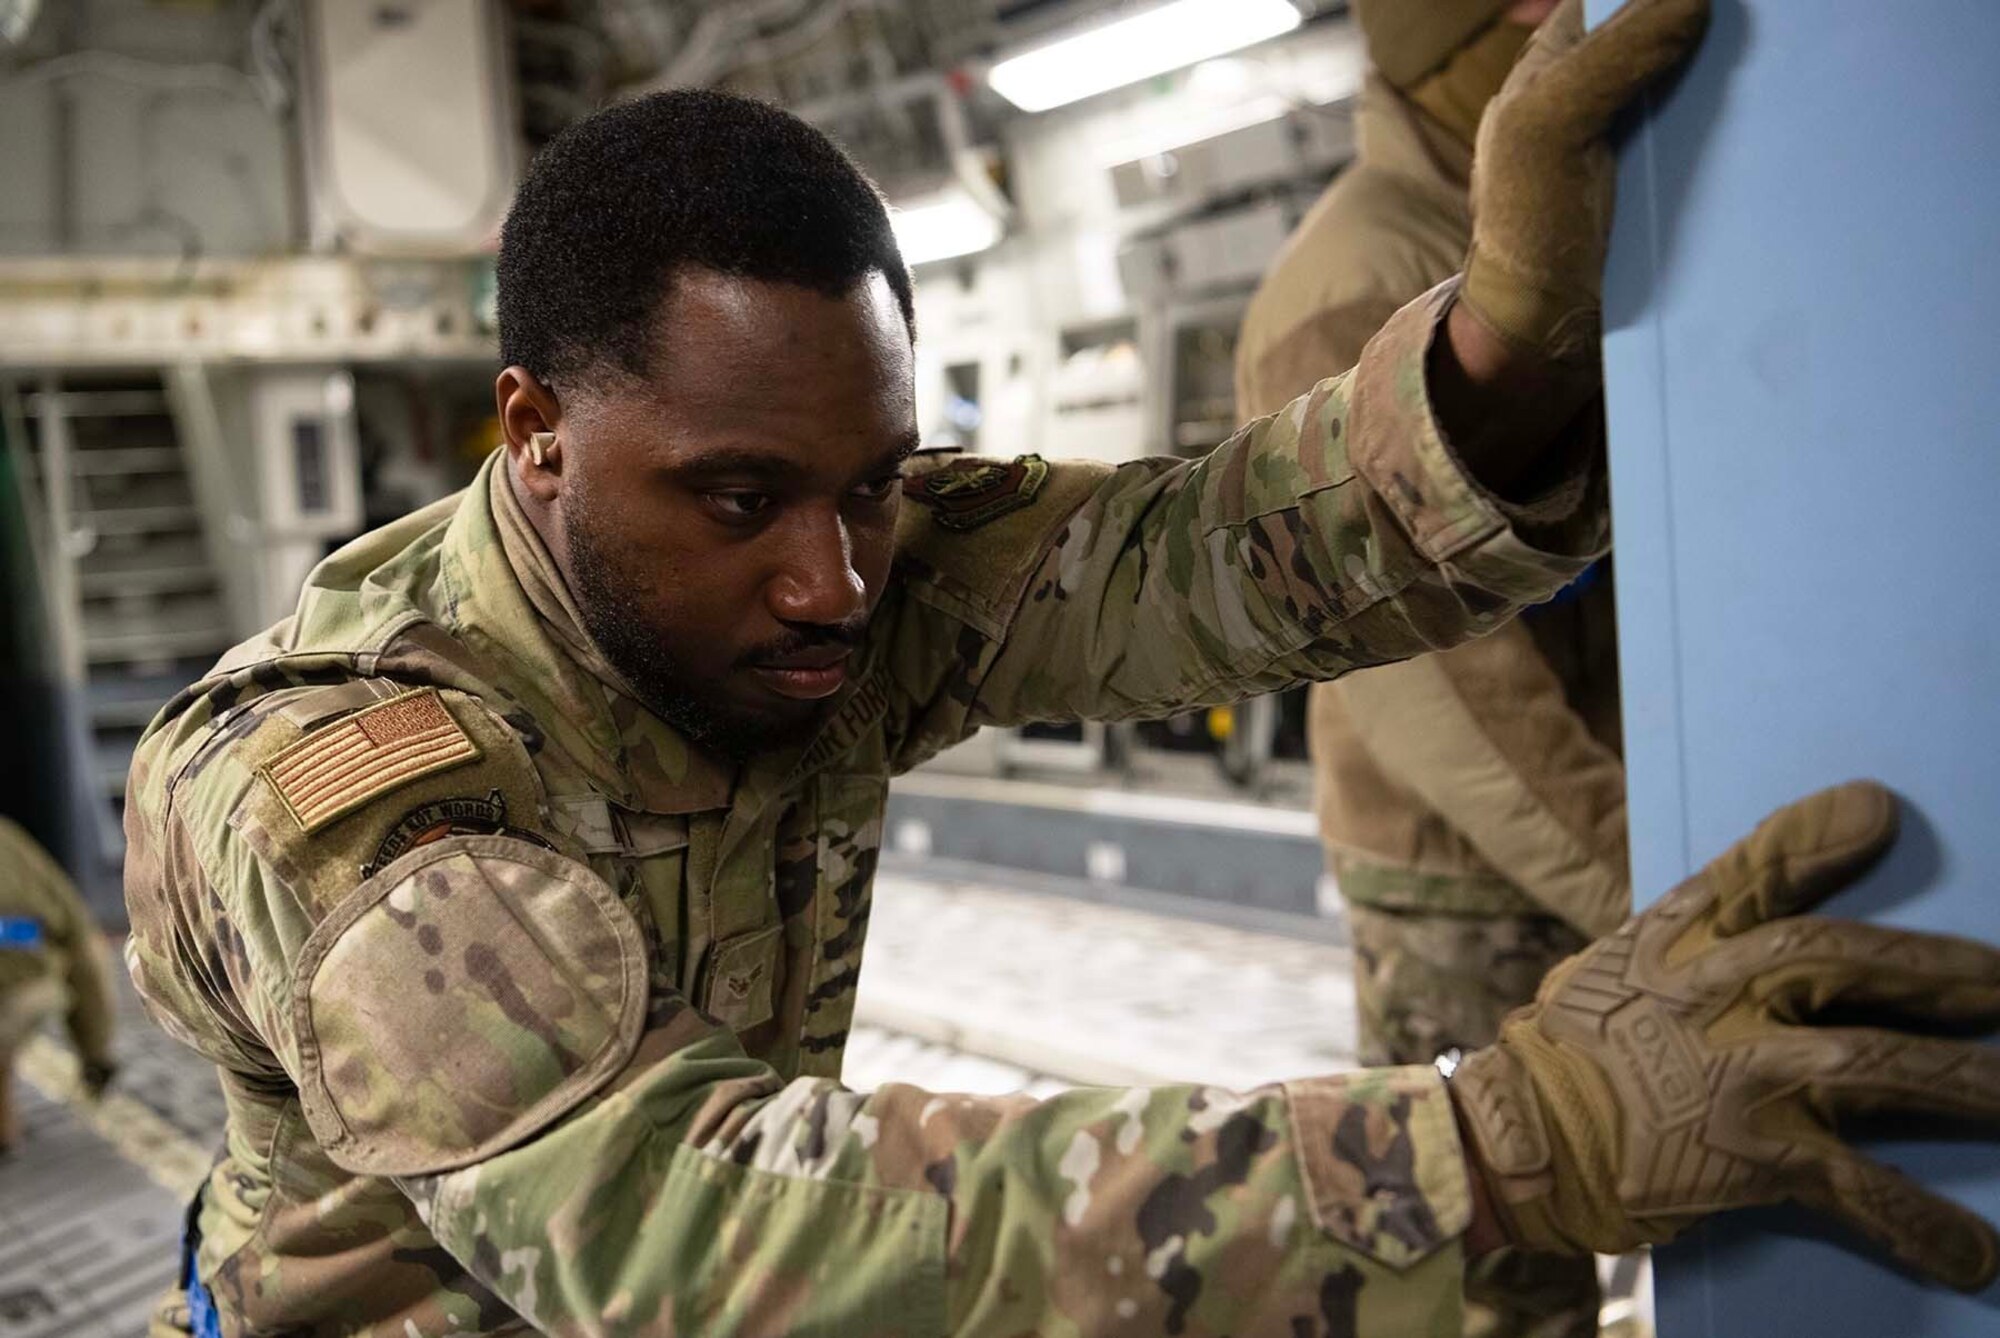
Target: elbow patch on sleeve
(464, 998)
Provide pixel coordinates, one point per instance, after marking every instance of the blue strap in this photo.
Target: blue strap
(202, 1319)
(20, 931)
(201, 1308)
(1578, 588)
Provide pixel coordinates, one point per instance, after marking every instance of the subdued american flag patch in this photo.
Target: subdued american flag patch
(333, 771)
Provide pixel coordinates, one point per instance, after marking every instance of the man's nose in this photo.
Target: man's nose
(816, 582)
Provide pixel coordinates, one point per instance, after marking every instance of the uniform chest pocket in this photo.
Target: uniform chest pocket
(848, 840)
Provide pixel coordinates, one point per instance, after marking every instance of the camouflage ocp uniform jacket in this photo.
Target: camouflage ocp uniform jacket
(528, 1015)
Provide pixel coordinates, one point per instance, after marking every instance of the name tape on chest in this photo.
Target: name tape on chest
(334, 771)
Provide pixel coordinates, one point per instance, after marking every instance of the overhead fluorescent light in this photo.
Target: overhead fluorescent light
(1156, 41)
(942, 227)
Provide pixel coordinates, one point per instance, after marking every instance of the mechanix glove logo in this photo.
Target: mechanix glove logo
(1660, 1062)
(966, 494)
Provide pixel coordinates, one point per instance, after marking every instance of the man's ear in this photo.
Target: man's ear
(531, 425)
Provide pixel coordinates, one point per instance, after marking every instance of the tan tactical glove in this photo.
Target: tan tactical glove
(1671, 1071)
(1542, 171)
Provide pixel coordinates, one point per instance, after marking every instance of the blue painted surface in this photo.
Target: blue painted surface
(20, 932)
(1804, 399)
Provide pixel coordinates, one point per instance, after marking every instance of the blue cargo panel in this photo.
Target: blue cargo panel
(1805, 419)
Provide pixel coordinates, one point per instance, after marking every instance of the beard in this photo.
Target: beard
(615, 615)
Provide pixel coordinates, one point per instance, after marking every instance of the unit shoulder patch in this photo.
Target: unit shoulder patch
(970, 491)
(457, 816)
(335, 770)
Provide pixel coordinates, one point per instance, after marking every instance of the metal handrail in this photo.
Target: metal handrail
(52, 533)
(14, 427)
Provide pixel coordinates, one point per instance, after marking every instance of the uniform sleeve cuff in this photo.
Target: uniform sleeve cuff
(1381, 1161)
(1526, 549)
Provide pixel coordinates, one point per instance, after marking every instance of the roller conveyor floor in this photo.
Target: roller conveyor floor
(88, 1238)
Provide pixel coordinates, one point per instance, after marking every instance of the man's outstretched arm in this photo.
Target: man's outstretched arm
(484, 1023)
(1342, 532)
(1452, 476)
(606, 1159)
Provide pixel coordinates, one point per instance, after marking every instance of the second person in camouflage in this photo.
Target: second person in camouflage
(1472, 801)
(53, 966)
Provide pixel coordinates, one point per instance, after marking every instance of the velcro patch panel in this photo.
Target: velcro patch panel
(335, 770)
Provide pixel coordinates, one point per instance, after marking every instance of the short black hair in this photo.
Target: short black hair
(628, 196)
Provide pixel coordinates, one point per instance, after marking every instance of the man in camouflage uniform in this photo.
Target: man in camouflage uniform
(1472, 801)
(53, 963)
(517, 884)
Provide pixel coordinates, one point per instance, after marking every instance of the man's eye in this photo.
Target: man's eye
(740, 505)
(880, 489)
